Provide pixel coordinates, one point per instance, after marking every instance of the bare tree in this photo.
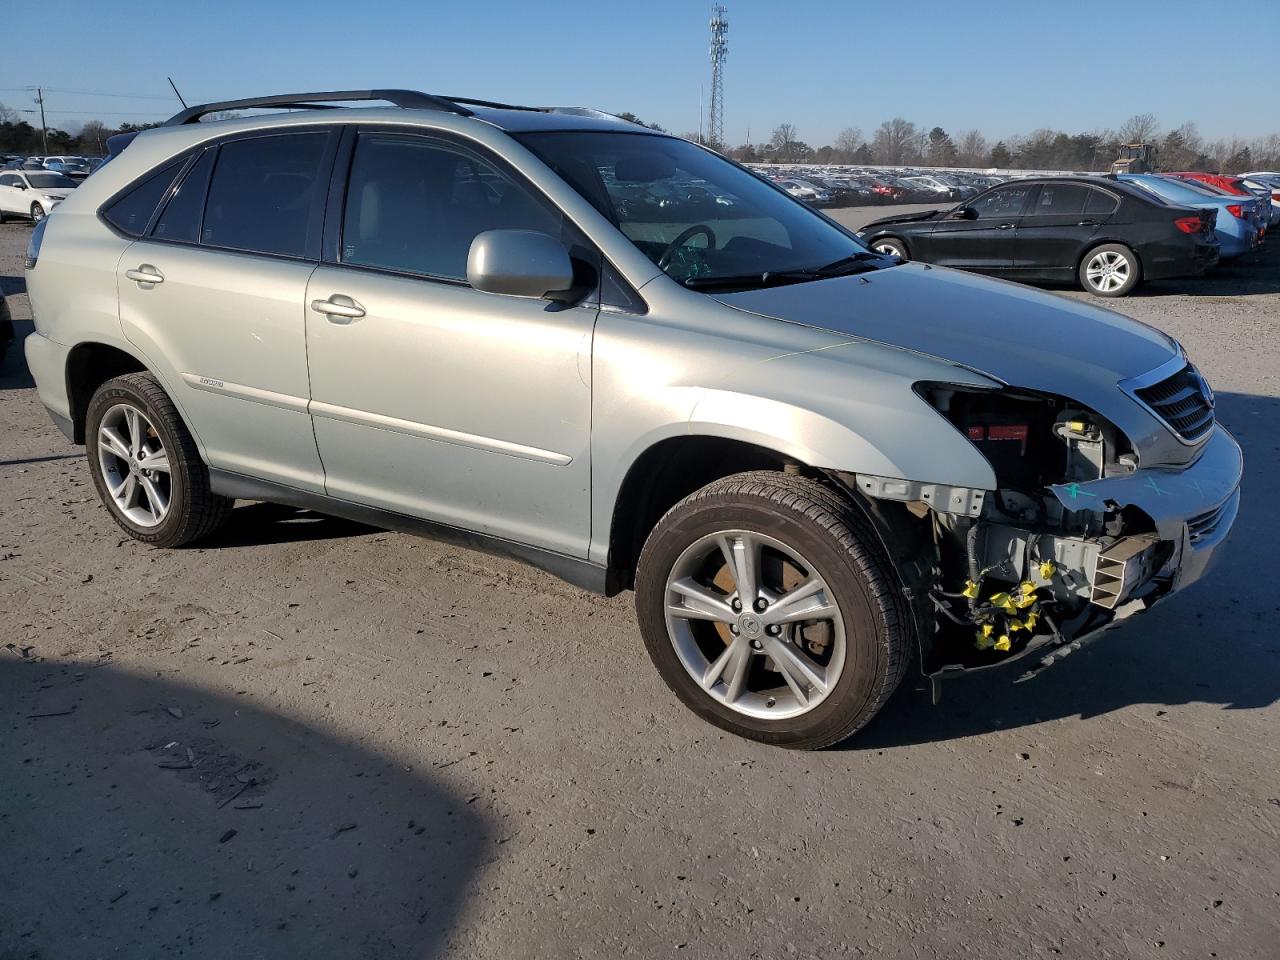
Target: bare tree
(849, 140)
(783, 134)
(972, 149)
(8, 114)
(895, 142)
(1140, 128)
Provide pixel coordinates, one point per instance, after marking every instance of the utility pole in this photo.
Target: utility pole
(719, 51)
(44, 128)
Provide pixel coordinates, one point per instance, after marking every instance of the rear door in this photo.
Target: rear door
(213, 291)
(430, 398)
(1055, 229)
(988, 242)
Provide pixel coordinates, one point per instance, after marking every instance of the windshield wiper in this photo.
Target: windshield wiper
(855, 263)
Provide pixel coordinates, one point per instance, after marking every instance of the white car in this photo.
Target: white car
(32, 193)
(1266, 184)
(804, 191)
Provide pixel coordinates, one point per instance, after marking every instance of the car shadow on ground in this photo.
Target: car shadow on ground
(1217, 643)
(12, 286)
(142, 817)
(14, 374)
(255, 524)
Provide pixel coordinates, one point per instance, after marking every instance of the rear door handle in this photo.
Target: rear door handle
(339, 308)
(1006, 226)
(145, 273)
(1087, 223)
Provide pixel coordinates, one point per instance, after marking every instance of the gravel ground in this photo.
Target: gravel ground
(310, 737)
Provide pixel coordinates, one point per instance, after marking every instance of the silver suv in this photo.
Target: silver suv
(622, 358)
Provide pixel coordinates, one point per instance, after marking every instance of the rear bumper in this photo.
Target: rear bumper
(1190, 259)
(47, 361)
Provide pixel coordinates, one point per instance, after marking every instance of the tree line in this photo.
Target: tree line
(899, 142)
(20, 136)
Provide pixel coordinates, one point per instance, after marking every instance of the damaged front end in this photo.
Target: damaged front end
(1078, 535)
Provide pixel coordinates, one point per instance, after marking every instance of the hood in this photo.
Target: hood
(902, 218)
(1012, 333)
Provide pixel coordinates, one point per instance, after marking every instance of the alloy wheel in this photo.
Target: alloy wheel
(135, 465)
(37, 213)
(1107, 271)
(755, 625)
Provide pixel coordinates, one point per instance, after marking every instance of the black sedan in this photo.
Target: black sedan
(1101, 232)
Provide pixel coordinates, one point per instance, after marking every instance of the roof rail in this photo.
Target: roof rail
(411, 99)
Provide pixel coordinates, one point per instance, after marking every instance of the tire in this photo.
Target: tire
(135, 406)
(37, 213)
(829, 542)
(891, 246)
(1110, 270)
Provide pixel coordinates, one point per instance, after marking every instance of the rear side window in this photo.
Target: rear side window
(264, 194)
(181, 217)
(131, 212)
(1061, 198)
(1101, 202)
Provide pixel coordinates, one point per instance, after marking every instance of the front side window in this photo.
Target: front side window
(415, 203)
(265, 193)
(702, 219)
(1002, 203)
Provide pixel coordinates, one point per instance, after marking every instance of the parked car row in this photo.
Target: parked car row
(1108, 233)
(853, 187)
(77, 168)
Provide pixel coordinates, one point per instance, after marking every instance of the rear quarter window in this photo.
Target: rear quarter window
(1101, 202)
(131, 211)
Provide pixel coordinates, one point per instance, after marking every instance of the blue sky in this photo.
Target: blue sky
(1002, 67)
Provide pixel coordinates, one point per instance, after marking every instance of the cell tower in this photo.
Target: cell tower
(719, 51)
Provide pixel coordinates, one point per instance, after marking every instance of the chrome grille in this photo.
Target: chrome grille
(1183, 401)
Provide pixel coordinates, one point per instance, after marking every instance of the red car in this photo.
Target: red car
(1221, 181)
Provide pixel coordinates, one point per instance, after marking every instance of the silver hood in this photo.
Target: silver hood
(1009, 332)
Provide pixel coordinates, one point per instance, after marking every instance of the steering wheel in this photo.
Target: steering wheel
(685, 236)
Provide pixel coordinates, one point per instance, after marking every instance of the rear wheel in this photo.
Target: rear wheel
(769, 609)
(890, 246)
(145, 465)
(1111, 270)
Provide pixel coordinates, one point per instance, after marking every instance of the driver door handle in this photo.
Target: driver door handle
(339, 308)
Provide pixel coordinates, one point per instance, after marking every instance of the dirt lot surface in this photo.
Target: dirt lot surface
(310, 738)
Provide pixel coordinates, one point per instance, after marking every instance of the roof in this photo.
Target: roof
(509, 117)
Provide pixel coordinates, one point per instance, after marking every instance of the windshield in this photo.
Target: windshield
(50, 181)
(694, 214)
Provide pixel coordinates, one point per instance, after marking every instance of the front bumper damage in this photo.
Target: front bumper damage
(1145, 535)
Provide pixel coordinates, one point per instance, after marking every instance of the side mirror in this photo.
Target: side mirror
(519, 263)
(20, 185)
(965, 213)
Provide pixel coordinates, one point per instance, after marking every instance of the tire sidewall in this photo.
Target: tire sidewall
(1135, 270)
(107, 396)
(865, 653)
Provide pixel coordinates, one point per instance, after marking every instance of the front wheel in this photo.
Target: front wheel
(890, 247)
(768, 607)
(1111, 270)
(145, 465)
(37, 213)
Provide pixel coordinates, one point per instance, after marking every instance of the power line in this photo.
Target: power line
(86, 93)
(108, 113)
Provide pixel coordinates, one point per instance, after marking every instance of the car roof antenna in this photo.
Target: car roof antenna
(176, 93)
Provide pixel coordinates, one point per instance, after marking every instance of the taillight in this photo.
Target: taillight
(1235, 210)
(1188, 224)
(33, 245)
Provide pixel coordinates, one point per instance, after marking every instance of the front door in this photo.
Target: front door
(984, 243)
(13, 198)
(433, 399)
